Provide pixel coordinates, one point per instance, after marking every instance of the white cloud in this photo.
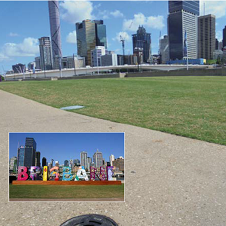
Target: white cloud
(217, 8)
(29, 47)
(155, 22)
(76, 11)
(11, 34)
(103, 15)
(122, 34)
(71, 37)
(116, 14)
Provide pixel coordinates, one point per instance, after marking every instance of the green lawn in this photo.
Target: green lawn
(188, 106)
(65, 192)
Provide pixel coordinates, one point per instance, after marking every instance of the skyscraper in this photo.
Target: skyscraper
(89, 161)
(89, 35)
(37, 158)
(111, 159)
(142, 40)
(224, 37)
(44, 163)
(45, 53)
(66, 163)
(29, 153)
(164, 49)
(20, 156)
(98, 159)
(183, 16)
(83, 157)
(54, 19)
(206, 36)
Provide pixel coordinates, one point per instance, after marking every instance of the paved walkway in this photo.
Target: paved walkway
(170, 180)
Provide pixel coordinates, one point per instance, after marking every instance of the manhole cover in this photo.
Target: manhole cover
(72, 107)
(90, 220)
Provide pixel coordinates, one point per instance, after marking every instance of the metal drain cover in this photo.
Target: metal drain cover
(90, 220)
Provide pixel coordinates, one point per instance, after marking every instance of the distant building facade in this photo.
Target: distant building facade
(96, 55)
(37, 158)
(45, 53)
(19, 68)
(44, 162)
(89, 35)
(30, 152)
(142, 40)
(83, 158)
(111, 159)
(183, 16)
(109, 59)
(164, 49)
(119, 163)
(73, 62)
(98, 159)
(206, 36)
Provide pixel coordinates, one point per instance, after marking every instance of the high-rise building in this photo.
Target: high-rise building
(224, 37)
(142, 40)
(89, 35)
(164, 49)
(20, 156)
(96, 55)
(37, 158)
(206, 36)
(119, 163)
(45, 53)
(76, 162)
(13, 164)
(44, 162)
(89, 161)
(66, 163)
(109, 59)
(98, 159)
(54, 19)
(30, 150)
(37, 63)
(83, 158)
(111, 159)
(183, 16)
(216, 44)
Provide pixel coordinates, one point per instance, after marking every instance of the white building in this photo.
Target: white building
(12, 162)
(73, 62)
(83, 158)
(164, 49)
(111, 159)
(98, 159)
(96, 56)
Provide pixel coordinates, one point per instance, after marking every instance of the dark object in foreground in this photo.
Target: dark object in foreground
(90, 220)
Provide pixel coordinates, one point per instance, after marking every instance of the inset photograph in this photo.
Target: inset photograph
(66, 166)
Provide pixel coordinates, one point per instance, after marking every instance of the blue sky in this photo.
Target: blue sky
(66, 146)
(22, 23)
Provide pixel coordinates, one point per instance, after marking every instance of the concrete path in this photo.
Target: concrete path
(170, 180)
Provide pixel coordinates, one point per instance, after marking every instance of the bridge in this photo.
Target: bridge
(70, 72)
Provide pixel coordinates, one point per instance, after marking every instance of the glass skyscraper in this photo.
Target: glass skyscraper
(20, 156)
(183, 16)
(89, 35)
(98, 159)
(142, 40)
(30, 150)
(45, 53)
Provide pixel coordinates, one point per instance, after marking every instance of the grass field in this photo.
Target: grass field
(194, 107)
(65, 192)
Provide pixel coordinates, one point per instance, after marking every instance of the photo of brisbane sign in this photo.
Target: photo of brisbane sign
(35, 175)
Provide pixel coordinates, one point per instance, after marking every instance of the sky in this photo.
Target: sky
(66, 146)
(23, 22)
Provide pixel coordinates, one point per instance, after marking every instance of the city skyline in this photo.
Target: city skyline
(128, 20)
(109, 143)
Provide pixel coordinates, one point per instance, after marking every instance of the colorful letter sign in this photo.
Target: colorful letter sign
(81, 174)
(92, 173)
(45, 173)
(67, 176)
(110, 172)
(34, 172)
(103, 173)
(22, 173)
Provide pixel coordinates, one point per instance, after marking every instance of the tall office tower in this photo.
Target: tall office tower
(29, 153)
(142, 40)
(183, 16)
(206, 36)
(66, 163)
(71, 163)
(164, 49)
(89, 35)
(45, 53)
(54, 19)
(44, 162)
(89, 162)
(216, 44)
(37, 158)
(224, 37)
(83, 158)
(20, 156)
(76, 162)
(111, 159)
(98, 159)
